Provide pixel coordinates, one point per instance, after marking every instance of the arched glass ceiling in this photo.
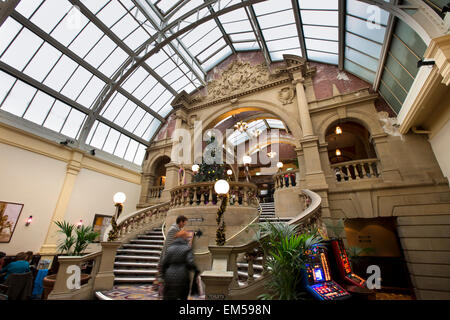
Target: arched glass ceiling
(59, 57)
(261, 125)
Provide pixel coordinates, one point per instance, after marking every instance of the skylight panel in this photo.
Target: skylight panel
(286, 44)
(326, 18)
(326, 33)
(57, 116)
(212, 49)
(245, 36)
(26, 8)
(190, 5)
(205, 41)
(73, 123)
(101, 51)
(140, 154)
(112, 13)
(145, 87)
(50, 14)
(150, 96)
(22, 49)
(151, 130)
(42, 62)
(135, 79)
(134, 120)
(114, 106)
(38, 109)
(361, 10)
(278, 55)
(323, 57)
(96, 5)
(8, 30)
(280, 32)
(271, 6)
(322, 45)
(242, 46)
(276, 19)
(161, 101)
(121, 146)
(361, 59)
(60, 73)
(358, 26)
(137, 38)
(113, 62)
(90, 92)
(18, 98)
(219, 56)
(368, 47)
(125, 113)
(111, 141)
(165, 110)
(319, 5)
(72, 24)
(7, 82)
(86, 40)
(131, 150)
(76, 83)
(125, 26)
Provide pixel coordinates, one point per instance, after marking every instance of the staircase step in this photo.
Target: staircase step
(256, 267)
(141, 258)
(154, 252)
(134, 279)
(136, 264)
(143, 236)
(142, 241)
(245, 275)
(154, 233)
(143, 246)
(135, 271)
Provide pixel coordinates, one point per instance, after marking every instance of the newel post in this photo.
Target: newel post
(105, 276)
(217, 280)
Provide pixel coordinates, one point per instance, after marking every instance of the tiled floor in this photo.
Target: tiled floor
(137, 292)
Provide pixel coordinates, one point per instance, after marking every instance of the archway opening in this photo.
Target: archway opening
(159, 170)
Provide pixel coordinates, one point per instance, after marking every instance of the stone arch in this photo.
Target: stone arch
(364, 118)
(151, 164)
(209, 118)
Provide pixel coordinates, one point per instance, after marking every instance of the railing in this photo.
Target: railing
(249, 252)
(130, 224)
(203, 194)
(287, 179)
(155, 192)
(356, 170)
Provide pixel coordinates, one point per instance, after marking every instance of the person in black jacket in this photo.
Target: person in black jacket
(177, 263)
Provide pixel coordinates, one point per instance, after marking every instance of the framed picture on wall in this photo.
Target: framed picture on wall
(9, 215)
(101, 222)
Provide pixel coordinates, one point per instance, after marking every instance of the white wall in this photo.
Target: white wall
(441, 148)
(35, 181)
(93, 194)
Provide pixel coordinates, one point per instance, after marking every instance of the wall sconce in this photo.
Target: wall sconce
(29, 220)
(338, 152)
(338, 130)
(79, 224)
(279, 165)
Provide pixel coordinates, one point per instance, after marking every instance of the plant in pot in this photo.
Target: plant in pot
(285, 248)
(75, 242)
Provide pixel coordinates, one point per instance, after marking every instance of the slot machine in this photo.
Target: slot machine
(343, 269)
(317, 278)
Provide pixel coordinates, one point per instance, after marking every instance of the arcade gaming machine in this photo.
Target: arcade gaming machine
(318, 281)
(340, 265)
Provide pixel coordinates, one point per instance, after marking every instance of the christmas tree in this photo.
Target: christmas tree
(210, 170)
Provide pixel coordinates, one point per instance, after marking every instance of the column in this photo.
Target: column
(73, 168)
(147, 182)
(303, 109)
(171, 180)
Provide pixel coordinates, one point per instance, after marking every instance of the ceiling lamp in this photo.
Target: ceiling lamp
(338, 152)
(280, 165)
(241, 126)
(229, 172)
(256, 133)
(338, 130)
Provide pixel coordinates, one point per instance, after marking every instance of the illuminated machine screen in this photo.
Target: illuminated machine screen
(318, 274)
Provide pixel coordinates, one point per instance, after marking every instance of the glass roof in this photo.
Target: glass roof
(58, 58)
(254, 127)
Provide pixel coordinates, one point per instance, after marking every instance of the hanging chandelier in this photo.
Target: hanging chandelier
(256, 133)
(338, 152)
(241, 126)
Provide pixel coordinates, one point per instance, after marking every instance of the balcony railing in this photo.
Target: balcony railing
(356, 170)
(203, 194)
(155, 192)
(286, 179)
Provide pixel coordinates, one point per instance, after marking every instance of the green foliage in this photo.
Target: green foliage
(83, 236)
(285, 251)
(209, 170)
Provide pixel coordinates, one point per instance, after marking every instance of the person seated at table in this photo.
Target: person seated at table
(19, 265)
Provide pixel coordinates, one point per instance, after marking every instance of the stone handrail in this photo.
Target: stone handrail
(356, 170)
(203, 194)
(131, 223)
(286, 179)
(251, 250)
(155, 192)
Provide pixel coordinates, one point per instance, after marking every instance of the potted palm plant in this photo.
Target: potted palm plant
(75, 242)
(285, 249)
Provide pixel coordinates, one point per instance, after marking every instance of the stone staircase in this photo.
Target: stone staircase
(267, 215)
(137, 261)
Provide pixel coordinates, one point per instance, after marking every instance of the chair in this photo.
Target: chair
(20, 286)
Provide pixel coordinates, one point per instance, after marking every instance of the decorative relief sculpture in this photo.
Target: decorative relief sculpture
(286, 95)
(239, 77)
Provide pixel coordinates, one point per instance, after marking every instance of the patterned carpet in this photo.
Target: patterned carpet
(137, 292)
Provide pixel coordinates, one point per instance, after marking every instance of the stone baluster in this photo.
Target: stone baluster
(210, 197)
(233, 264)
(245, 199)
(202, 196)
(194, 201)
(251, 272)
